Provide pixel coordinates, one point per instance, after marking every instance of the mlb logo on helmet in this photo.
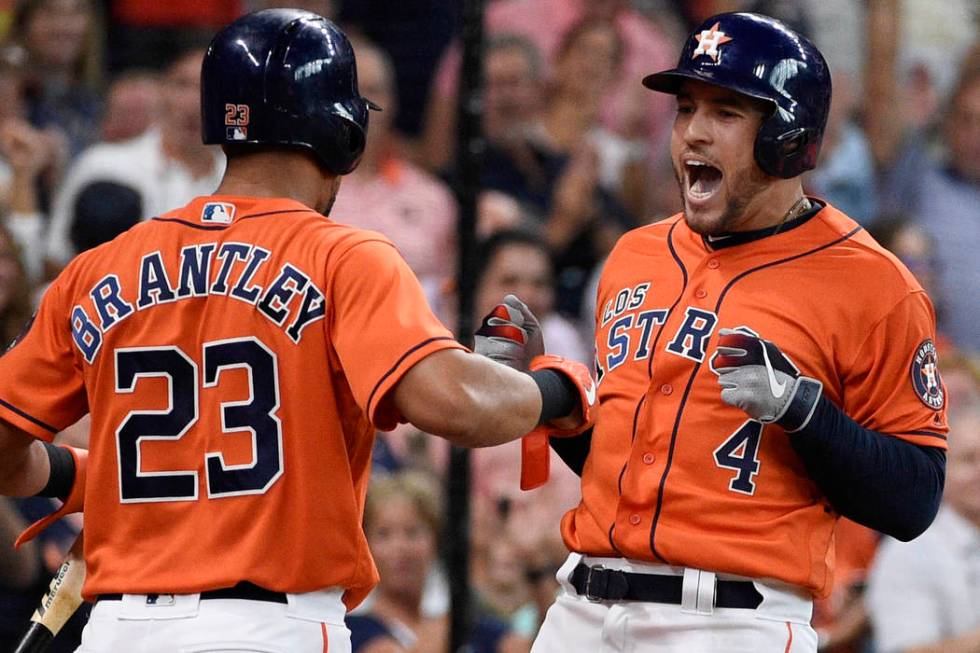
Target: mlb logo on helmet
(220, 212)
(236, 133)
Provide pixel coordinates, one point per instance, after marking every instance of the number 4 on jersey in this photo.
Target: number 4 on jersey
(739, 452)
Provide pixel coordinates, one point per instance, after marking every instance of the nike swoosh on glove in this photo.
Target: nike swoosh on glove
(758, 378)
(510, 334)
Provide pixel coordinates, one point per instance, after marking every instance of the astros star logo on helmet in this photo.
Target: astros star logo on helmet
(708, 42)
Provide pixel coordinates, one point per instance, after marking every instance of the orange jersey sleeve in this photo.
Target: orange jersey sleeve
(893, 385)
(41, 384)
(677, 476)
(381, 324)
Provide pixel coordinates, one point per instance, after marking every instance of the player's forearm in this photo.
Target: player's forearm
(468, 399)
(24, 465)
(501, 404)
(884, 483)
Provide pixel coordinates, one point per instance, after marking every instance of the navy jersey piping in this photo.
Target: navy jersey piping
(397, 364)
(32, 420)
(697, 368)
(929, 434)
(653, 348)
(212, 227)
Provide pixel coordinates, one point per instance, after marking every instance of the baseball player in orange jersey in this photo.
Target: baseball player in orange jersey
(236, 356)
(764, 367)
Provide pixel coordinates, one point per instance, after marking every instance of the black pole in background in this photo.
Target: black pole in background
(469, 156)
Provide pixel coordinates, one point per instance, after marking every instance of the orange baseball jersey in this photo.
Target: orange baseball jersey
(677, 476)
(236, 356)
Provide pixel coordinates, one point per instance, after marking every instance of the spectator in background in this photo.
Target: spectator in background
(414, 34)
(63, 61)
(26, 154)
(923, 595)
(560, 193)
(587, 64)
(113, 185)
(907, 240)
(389, 194)
(519, 262)
(15, 290)
(845, 173)
(132, 106)
(402, 519)
(544, 23)
(942, 192)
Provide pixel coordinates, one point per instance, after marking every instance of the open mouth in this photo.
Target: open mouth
(703, 179)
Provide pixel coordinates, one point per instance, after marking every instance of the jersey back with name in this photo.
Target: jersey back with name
(235, 356)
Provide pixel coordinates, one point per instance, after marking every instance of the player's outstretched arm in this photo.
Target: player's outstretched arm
(24, 464)
(474, 401)
(468, 399)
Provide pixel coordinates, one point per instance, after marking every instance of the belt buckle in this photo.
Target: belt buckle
(593, 571)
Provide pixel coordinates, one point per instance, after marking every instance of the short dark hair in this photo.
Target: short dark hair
(489, 247)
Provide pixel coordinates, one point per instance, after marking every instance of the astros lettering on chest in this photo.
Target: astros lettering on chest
(290, 300)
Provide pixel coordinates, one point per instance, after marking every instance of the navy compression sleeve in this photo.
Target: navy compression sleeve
(882, 482)
(573, 451)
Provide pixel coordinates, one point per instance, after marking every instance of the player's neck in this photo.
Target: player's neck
(774, 206)
(276, 174)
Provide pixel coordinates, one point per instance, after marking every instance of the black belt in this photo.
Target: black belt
(600, 584)
(243, 590)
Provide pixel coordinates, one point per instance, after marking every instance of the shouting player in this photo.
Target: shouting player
(764, 368)
(236, 356)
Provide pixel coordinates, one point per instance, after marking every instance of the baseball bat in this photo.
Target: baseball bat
(63, 597)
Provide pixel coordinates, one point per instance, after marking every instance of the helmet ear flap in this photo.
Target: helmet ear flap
(341, 144)
(786, 153)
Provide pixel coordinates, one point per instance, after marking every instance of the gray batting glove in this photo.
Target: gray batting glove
(510, 334)
(757, 378)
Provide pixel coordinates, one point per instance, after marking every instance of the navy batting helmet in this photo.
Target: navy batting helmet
(285, 77)
(760, 57)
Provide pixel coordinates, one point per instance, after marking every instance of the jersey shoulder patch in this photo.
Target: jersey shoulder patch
(926, 382)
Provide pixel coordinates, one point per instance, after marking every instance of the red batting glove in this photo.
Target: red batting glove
(75, 501)
(535, 452)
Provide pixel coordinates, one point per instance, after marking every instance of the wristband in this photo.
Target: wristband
(558, 394)
(62, 475)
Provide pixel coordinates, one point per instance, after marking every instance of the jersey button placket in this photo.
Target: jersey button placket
(666, 389)
(648, 458)
(635, 519)
(713, 264)
(700, 293)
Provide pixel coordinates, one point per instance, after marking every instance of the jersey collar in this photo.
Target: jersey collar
(742, 237)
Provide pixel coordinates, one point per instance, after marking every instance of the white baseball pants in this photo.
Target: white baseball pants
(184, 623)
(574, 624)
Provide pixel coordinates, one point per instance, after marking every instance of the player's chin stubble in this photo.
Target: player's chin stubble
(745, 185)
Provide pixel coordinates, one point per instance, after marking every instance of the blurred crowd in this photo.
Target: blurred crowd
(100, 128)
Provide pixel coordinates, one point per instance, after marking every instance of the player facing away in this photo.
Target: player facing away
(236, 356)
(764, 368)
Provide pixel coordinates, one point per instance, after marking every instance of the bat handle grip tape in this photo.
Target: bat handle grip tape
(36, 639)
